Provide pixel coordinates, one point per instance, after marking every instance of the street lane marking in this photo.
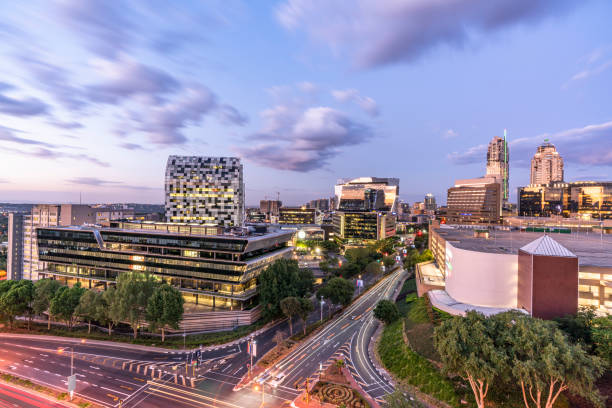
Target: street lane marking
(114, 397)
(139, 379)
(125, 387)
(330, 336)
(345, 326)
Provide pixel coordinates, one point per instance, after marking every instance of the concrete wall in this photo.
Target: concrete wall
(481, 279)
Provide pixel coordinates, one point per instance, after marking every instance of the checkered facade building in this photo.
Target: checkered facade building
(205, 190)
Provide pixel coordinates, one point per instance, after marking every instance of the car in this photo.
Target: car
(277, 379)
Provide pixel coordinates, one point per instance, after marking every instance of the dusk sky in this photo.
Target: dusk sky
(94, 95)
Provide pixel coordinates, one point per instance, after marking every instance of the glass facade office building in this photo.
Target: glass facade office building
(218, 271)
(588, 199)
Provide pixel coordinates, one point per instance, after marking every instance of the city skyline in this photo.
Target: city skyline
(94, 99)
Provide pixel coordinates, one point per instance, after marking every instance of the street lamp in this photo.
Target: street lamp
(322, 303)
(72, 378)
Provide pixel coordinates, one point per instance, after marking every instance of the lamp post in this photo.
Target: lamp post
(322, 303)
(71, 378)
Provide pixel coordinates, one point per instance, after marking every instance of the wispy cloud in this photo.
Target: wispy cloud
(450, 134)
(366, 103)
(379, 32)
(20, 106)
(97, 182)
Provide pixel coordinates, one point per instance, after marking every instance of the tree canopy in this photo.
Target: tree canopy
(338, 290)
(386, 311)
(164, 308)
(280, 280)
(65, 302)
(132, 297)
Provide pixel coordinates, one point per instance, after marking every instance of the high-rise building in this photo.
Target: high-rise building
(367, 194)
(205, 190)
(546, 165)
(14, 259)
(498, 157)
(270, 207)
(475, 201)
(430, 202)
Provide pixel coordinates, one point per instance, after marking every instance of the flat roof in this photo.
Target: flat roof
(592, 249)
(251, 237)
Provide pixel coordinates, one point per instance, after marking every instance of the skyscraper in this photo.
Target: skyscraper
(498, 157)
(430, 202)
(546, 165)
(205, 190)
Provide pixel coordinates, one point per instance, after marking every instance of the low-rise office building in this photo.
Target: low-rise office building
(299, 215)
(585, 199)
(545, 275)
(211, 269)
(358, 227)
(475, 201)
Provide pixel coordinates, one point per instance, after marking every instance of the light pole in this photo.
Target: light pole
(71, 378)
(322, 303)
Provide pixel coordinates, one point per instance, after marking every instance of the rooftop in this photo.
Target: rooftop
(591, 248)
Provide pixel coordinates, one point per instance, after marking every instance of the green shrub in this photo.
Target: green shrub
(416, 370)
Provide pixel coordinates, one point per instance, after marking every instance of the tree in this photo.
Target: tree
(277, 282)
(306, 307)
(546, 363)
(16, 300)
(65, 303)
(602, 337)
(165, 308)
(88, 307)
(467, 347)
(579, 327)
(373, 268)
(108, 311)
(386, 311)
(388, 261)
(338, 291)
(133, 292)
(44, 291)
(290, 307)
(305, 282)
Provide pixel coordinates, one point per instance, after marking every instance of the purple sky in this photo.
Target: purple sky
(95, 95)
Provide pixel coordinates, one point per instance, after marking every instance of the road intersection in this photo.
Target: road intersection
(130, 376)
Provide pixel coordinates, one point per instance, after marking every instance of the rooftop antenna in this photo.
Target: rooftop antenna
(278, 196)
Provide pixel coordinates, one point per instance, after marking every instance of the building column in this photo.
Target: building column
(214, 298)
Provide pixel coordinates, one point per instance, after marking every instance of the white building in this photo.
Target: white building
(205, 190)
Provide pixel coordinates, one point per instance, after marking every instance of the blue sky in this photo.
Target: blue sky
(94, 95)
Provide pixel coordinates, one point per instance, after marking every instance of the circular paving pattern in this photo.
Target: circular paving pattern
(339, 395)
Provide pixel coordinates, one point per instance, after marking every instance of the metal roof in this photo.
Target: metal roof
(547, 246)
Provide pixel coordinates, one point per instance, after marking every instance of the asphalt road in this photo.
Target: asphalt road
(347, 337)
(110, 373)
(11, 397)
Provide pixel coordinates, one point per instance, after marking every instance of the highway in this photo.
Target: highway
(145, 377)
